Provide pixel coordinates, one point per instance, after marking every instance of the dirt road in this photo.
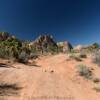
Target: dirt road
(55, 79)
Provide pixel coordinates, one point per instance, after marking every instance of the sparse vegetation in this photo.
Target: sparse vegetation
(33, 55)
(84, 71)
(9, 46)
(22, 51)
(23, 57)
(82, 55)
(96, 80)
(9, 89)
(52, 49)
(75, 56)
(96, 57)
(9, 86)
(97, 89)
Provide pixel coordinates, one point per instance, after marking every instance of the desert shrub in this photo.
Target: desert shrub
(33, 55)
(5, 52)
(96, 57)
(9, 86)
(9, 46)
(7, 89)
(75, 56)
(33, 48)
(84, 71)
(50, 49)
(97, 89)
(25, 47)
(2, 53)
(23, 57)
(96, 80)
(82, 55)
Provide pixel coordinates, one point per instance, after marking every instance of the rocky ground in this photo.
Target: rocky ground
(54, 78)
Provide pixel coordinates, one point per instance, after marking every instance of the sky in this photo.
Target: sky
(76, 21)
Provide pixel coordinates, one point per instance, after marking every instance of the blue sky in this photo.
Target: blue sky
(77, 21)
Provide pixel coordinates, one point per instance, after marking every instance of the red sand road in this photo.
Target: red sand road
(55, 79)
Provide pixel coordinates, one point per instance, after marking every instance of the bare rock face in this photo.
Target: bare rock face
(44, 42)
(65, 46)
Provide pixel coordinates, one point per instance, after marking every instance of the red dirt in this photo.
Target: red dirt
(55, 79)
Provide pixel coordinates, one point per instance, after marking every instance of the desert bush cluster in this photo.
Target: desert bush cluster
(78, 56)
(11, 47)
(87, 73)
(22, 51)
(82, 55)
(84, 71)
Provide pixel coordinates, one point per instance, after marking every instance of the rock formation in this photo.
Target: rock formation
(43, 42)
(65, 46)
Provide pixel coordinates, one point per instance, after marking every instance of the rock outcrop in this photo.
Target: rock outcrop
(44, 42)
(65, 46)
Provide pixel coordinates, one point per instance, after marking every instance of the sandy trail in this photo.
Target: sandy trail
(55, 79)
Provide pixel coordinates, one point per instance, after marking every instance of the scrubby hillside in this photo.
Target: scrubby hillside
(22, 51)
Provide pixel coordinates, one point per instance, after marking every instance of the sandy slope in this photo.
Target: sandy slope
(55, 79)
